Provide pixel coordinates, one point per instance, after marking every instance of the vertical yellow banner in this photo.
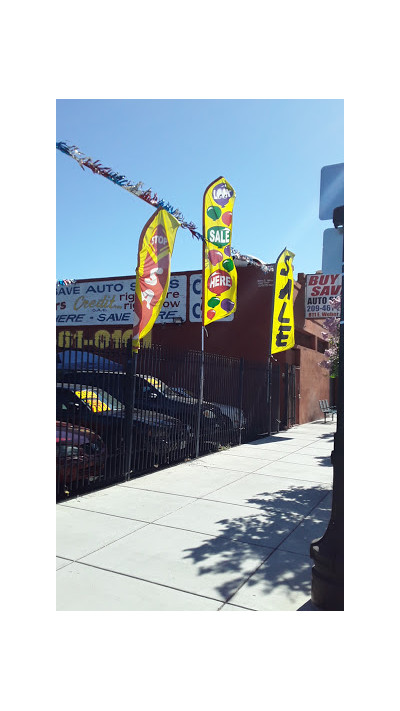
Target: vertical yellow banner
(153, 271)
(282, 322)
(219, 271)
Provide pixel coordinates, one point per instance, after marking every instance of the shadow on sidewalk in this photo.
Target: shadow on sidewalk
(280, 437)
(278, 510)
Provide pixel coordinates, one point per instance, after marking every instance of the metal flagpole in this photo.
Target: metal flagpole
(201, 392)
(269, 398)
(129, 407)
(202, 337)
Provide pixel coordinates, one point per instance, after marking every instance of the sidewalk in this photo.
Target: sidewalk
(230, 531)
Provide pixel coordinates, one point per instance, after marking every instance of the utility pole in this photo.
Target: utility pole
(327, 552)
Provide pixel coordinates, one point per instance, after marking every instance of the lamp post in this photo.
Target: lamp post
(327, 552)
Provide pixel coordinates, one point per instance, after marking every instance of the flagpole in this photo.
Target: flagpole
(202, 336)
(219, 233)
(129, 407)
(201, 392)
(202, 347)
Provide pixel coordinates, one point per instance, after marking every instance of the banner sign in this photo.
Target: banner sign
(220, 278)
(109, 302)
(282, 322)
(153, 271)
(320, 289)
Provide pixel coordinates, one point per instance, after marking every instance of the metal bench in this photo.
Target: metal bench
(326, 410)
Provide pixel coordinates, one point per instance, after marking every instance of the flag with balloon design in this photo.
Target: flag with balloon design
(153, 271)
(219, 271)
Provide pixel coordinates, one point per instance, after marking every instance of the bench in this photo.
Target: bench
(326, 410)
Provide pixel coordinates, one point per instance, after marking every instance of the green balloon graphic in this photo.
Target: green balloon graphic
(228, 264)
(214, 212)
(214, 301)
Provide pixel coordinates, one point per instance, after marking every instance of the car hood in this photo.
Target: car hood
(193, 402)
(233, 412)
(152, 417)
(148, 417)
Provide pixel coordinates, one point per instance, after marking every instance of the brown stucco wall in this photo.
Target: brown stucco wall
(313, 385)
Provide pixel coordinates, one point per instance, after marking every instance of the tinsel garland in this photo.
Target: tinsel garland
(147, 196)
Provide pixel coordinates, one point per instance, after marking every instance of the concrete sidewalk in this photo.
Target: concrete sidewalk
(230, 531)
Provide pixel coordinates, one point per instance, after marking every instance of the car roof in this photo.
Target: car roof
(76, 357)
(79, 386)
(67, 431)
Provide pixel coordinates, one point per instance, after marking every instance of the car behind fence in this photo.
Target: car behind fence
(119, 415)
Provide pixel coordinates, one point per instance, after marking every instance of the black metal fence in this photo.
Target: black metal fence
(120, 415)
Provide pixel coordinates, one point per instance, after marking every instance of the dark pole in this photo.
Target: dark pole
(241, 424)
(129, 407)
(200, 403)
(327, 585)
(269, 371)
(285, 418)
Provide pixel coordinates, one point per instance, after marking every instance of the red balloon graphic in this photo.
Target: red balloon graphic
(227, 218)
(215, 256)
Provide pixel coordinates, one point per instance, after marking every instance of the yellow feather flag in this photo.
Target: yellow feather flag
(282, 321)
(153, 271)
(219, 271)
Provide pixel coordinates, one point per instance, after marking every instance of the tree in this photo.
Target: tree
(331, 334)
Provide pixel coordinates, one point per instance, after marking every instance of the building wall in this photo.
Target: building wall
(313, 385)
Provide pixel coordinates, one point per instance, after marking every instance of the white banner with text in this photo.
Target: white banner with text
(110, 302)
(320, 289)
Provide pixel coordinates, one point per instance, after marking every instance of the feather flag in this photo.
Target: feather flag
(282, 321)
(219, 271)
(153, 271)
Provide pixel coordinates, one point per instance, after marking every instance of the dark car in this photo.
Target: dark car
(80, 456)
(153, 433)
(151, 392)
(72, 360)
(236, 416)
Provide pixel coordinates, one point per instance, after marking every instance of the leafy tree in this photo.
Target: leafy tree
(331, 334)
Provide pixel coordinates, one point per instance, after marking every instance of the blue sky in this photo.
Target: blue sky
(270, 150)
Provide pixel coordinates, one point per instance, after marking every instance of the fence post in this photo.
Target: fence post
(129, 405)
(269, 394)
(285, 416)
(241, 374)
(201, 393)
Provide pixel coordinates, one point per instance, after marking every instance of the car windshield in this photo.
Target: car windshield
(165, 389)
(160, 386)
(182, 392)
(98, 400)
(174, 392)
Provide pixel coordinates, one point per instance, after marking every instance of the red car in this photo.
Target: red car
(80, 455)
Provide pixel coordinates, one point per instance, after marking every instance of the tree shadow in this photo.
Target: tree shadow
(270, 439)
(324, 461)
(279, 438)
(327, 435)
(276, 516)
